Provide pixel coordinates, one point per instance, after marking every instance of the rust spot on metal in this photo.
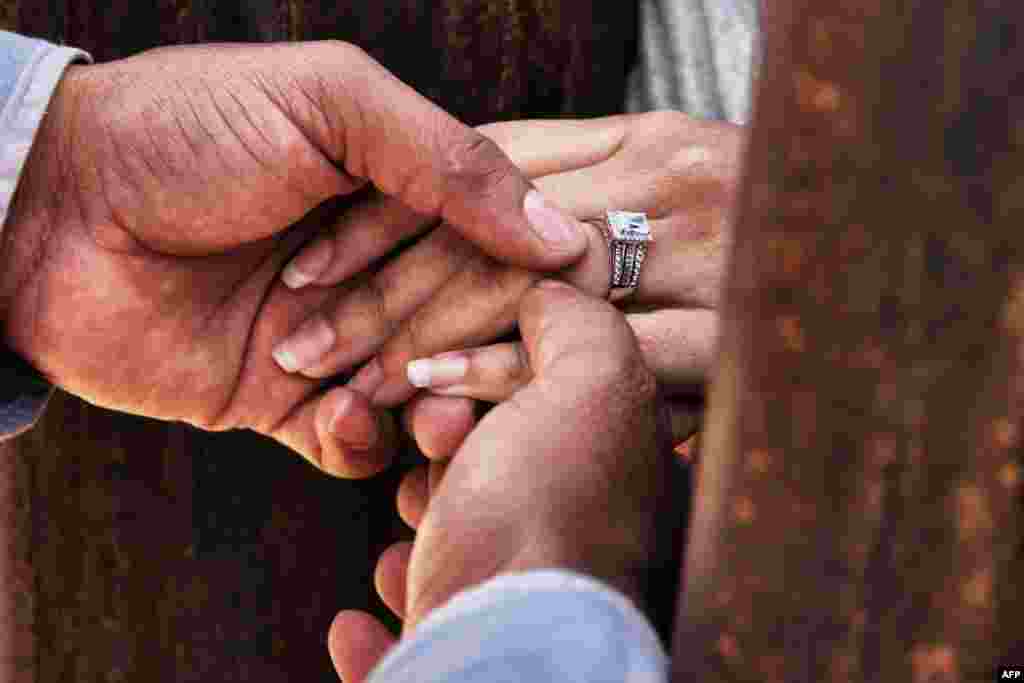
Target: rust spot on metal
(743, 510)
(977, 590)
(972, 512)
(915, 453)
(886, 393)
(841, 668)
(1013, 310)
(792, 256)
(821, 39)
(1009, 475)
(914, 413)
(868, 355)
(857, 554)
(882, 449)
(771, 667)
(803, 512)
(1004, 433)
(727, 646)
(933, 664)
(815, 94)
(854, 241)
(792, 333)
(874, 497)
(752, 582)
(758, 461)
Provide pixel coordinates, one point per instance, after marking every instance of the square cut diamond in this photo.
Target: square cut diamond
(629, 226)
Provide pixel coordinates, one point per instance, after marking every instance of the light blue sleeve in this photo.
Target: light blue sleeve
(29, 72)
(545, 626)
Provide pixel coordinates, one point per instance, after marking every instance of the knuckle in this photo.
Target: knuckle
(668, 119)
(510, 372)
(501, 286)
(345, 50)
(473, 163)
(405, 345)
(376, 290)
(411, 341)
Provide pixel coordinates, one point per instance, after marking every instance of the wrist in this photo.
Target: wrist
(43, 194)
(600, 563)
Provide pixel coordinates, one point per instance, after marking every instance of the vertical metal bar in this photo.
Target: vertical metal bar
(860, 508)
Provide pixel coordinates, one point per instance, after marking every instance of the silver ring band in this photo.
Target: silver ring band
(628, 234)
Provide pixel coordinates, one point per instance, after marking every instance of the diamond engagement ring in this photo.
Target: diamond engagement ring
(628, 233)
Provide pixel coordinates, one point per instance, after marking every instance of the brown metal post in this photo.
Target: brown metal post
(861, 508)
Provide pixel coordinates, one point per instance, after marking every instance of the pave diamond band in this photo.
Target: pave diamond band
(627, 233)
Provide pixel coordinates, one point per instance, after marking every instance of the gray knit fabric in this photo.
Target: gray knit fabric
(696, 56)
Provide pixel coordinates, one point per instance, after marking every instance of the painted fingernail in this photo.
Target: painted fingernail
(550, 223)
(556, 285)
(438, 371)
(306, 346)
(308, 265)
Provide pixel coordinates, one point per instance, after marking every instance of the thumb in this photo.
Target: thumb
(578, 340)
(570, 463)
(382, 130)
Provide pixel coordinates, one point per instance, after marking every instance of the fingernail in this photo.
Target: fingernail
(550, 223)
(306, 347)
(453, 390)
(555, 284)
(438, 371)
(308, 265)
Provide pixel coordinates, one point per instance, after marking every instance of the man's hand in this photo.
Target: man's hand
(572, 471)
(139, 264)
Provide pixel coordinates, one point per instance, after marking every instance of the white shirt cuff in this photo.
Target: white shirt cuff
(20, 118)
(544, 620)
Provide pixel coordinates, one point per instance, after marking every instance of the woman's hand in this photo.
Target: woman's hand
(443, 294)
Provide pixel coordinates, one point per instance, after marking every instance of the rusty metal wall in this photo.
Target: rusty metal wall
(861, 489)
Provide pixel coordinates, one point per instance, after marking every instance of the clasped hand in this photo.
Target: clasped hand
(172, 252)
(163, 194)
(143, 255)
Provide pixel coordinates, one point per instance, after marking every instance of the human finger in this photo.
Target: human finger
(591, 401)
(433, 420)
(677, 345)
(417, 487)
(487, 373)
(412, 496)
(339, 432)
(372, 228)
(359, 236)
(389, 577)
(356, 641)
(370, 308)
(476, 305)
(411, 149)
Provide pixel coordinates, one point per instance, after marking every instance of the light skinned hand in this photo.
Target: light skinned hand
(140, 261)
(574, 471)
(443, 293)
